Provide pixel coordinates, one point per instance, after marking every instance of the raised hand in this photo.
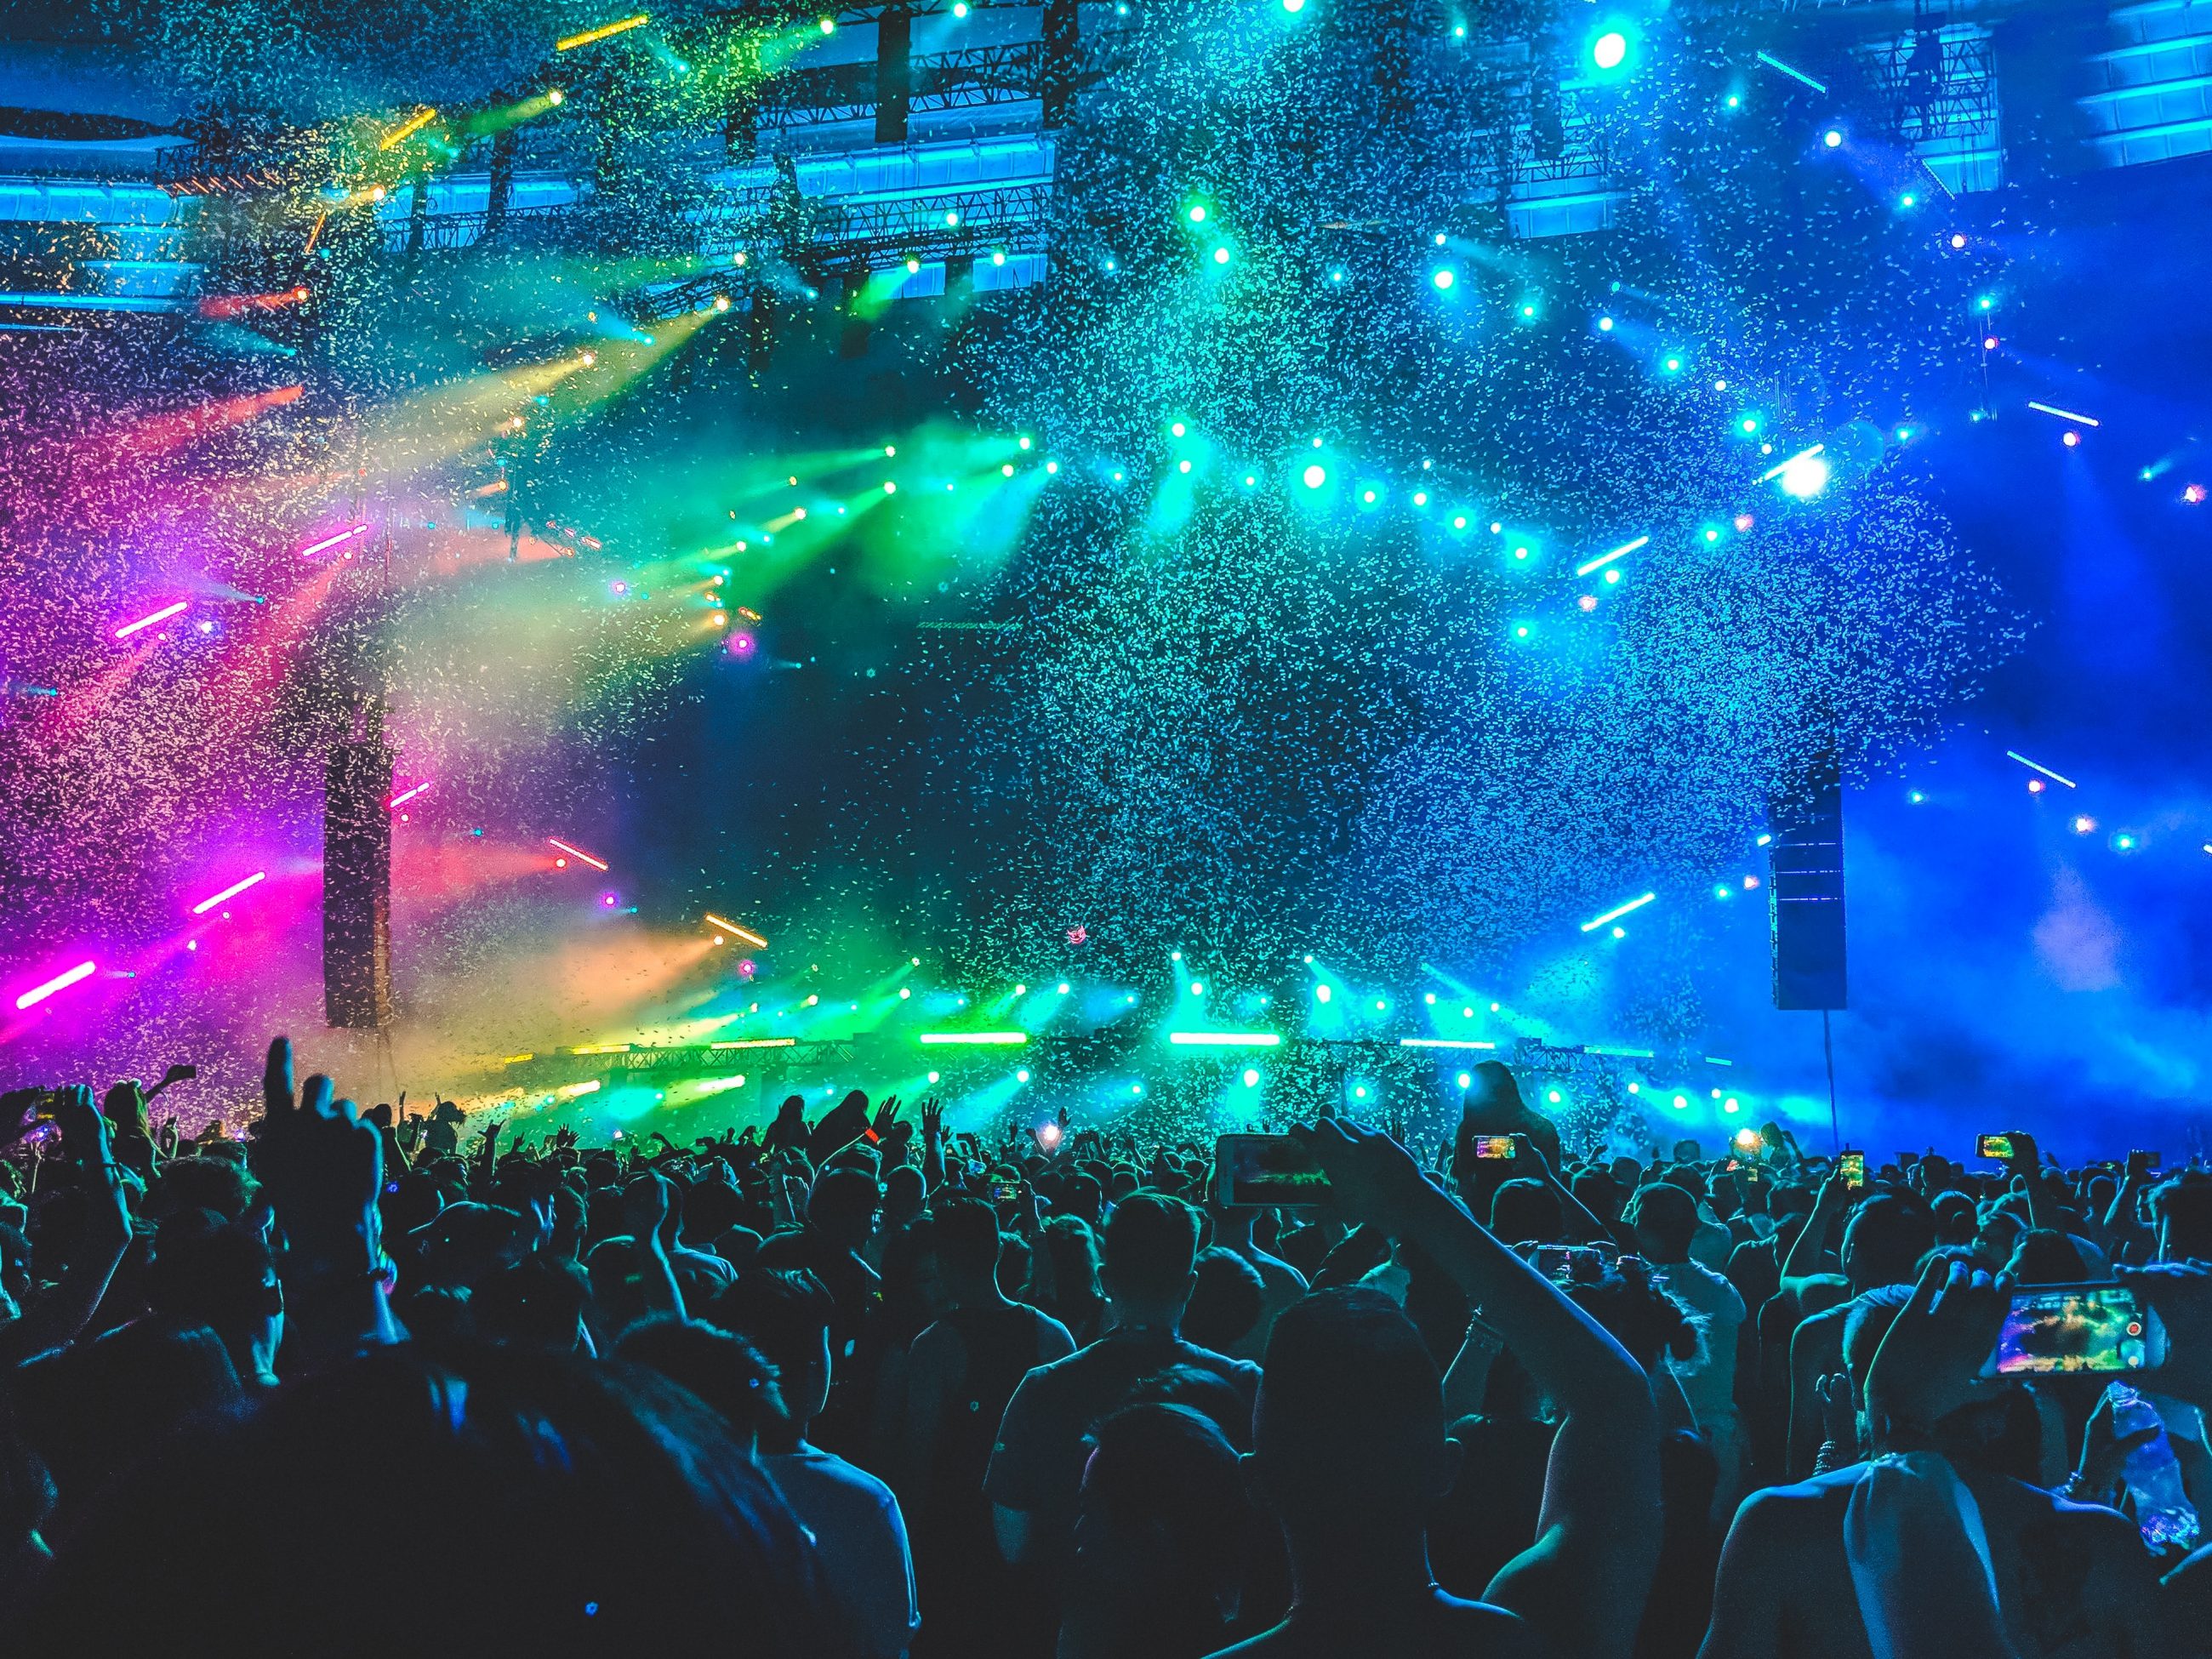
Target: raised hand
(1370, 1175)
(1929, 1364)
(933, 1119)
(886, 1114)
(84, 1130)
(322, 1166)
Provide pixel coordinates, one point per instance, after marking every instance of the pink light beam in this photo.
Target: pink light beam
(229, 892)
(162, 615)
(404, 796)
(60, 982)
(577, 852)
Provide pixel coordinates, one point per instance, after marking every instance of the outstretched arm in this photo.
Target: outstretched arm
(70, 1306)
(1582, 1583)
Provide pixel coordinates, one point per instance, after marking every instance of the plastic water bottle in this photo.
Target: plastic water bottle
(2163, 1511)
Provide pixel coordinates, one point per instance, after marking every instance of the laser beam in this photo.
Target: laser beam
(229, 892)
(407, 128)
(2032, 767)
(1797, 75)
(1604, 559)
(570, 42)
(60, 982)
(162, 615)
(1617, 912)
(736, 931)
(2064, 413)
(1224, 1039)
(1774, 473)
(402, 798)
(578, 853)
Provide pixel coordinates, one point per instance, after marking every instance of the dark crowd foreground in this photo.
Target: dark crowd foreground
(383, 1383)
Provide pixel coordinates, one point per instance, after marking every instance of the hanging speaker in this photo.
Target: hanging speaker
(1804, 895)
(357, 885)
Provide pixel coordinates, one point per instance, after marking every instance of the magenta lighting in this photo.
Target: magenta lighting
(162, 615)
(229, 892)
(406, 795)
(328, 542)
(61, 981)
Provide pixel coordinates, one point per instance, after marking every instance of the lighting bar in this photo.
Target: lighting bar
(1604, 559)
(1715, 1060)
(736, 931)
(516, 1060)
(162, 615)
(601, 1048)
(1617, 912)
(407, 128)
(573, 1090)
(1224, 1039)
(570, 42)
(2064, 413)
(2012, 754)
(1442, 1043)
(758, 1042)
(61, 981)
(1618, 1053)
(978, 1039)
(332, 541)
(577, 852)
(1797, 75)
(1774, 473)
(229, 892)
(402, 798)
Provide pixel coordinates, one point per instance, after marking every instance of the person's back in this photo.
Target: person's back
(1036, 1463)
(2071, 1580)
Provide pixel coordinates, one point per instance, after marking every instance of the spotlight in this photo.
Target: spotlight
(1315, 477)
(1804, 477)
(2072, 440)
(1834, 139)
(1444, 279)
(1958, 238)
(1610, 50)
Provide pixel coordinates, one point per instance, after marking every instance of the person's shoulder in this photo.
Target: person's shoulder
(1818, 1503)
(826, 1468)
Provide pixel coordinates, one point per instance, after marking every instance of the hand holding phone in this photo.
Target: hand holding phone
(1494, 1147)
(1998, 1147)
(2054, 1329)
(1259, 1171)
(1851, 1166)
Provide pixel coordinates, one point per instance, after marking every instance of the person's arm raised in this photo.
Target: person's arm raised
(322, 1168)
(645, 1211)
(69, 1307)
(1582, 1583)
(1804, 1260)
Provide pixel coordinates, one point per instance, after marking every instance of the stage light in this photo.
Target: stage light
(2053, 410)
(407, 128)
(1989, 343)
(229, 892)
(2084, 824)
(1908, 200)
(1320, 993)
(1197, 988)
(1221, 256)
(1022, 1076)
(2035, 785)
(913, 267)
(904, 993)
(1197, 214)
(1251, 1078)
(997, 255)
(555, 96)
(2011, 754)
(1605, 324)
(1804, 477)
(1796, 74)
(1618, 911)
(959, 8)
(1314, 476)
(332, 541)
(1733, 101)
(1682, 1101)
(1444, 279)
(1612, 576)
(1610, 50)
(570, 43)
(577, 852)
(2123, 843)
(1007, 470)
(1958, 240)
(1021, 990)
(1832, 138)
(1673, 364)
(160, 616)
(2072, 440)
(1604, 559)
(1458, 521)
(933, 1076)
(61, 981)
(2193, 493)
(889, 488)
(828, 26)
(1748, 424)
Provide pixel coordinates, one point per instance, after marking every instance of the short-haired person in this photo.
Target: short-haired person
(1036, 1466)
(853, 1515)
(1350, 1451)
(1665, 1219)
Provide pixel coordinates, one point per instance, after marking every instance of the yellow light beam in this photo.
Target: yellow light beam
(570, 43)
(407, 128)
(732, 928)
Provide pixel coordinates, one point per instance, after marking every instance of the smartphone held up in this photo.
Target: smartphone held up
(2052, 1329)
(1259, 1171)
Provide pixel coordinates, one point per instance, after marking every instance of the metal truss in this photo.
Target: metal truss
(968, 79)
(1935, 84)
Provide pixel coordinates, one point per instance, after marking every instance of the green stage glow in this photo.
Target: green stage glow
(979, 1039)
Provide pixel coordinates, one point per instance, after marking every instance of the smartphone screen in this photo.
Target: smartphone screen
(2148, 1160)
(2072, 1327)
(1494, 1145)
(1997, 1147)
(1852, 1167)
(1006, 1192)
(1266, 1170)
